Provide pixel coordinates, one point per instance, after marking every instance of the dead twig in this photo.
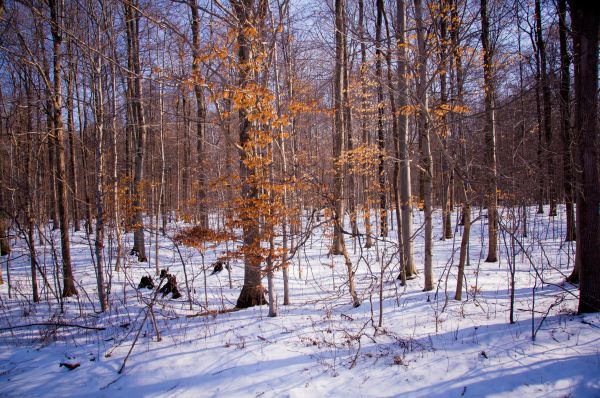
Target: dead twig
(213, 312)
(56, 324)
(148, 312)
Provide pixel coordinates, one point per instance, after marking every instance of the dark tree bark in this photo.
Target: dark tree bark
(464, 245)
(56, 15)
(522, 130)
(383, 229)
(547, 106)
(396, 140)
(540, 138)
(446, 169)
(115, 166)
(200, 115)
(284, 168)
(408, 265)
(99, 180)
(71, 129)
(585, 23)
(51, 139)
(339, 131)
(339, 245)
(185, 170)
(458, 100)
(83, 124)
(426, 162)
(132, 20)
(565, 120)
(491, 196)
(349, 144)
(4, 246)
(30, 211)
(365, 134)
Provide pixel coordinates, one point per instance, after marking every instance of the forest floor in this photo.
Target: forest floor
(318, 346)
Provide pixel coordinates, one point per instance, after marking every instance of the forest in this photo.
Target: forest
(338, 197)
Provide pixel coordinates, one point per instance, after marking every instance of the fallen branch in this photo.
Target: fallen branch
(57, 324)
(135, 340)
(213, 312)
(148, 312)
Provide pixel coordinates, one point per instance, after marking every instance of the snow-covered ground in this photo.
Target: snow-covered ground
(319, 346)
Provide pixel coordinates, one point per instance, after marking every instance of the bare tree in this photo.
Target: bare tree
(134, 81)
(71, 71)
(30, 210)
(200, 113)
(464, 163)
(56, 28)
(489, 136)
(585, 23)
(339, 133)
(339, 245)
(403, 141)
(547, 108)
(447, 172)
(97, 89)
(383, 228)
(565, 120)
(365, 135)
(426, 162)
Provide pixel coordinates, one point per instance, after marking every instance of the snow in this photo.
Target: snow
(319, 346)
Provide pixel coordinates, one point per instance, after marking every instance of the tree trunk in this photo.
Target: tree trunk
(574, 277)
(490, 138)
(458, 101)
(99, 174)
(565, 119)
(82, 121)
(446, 169)
(115, 174)
(539, 152)
(396, 140)
(32, 257)
(185, 170)
(4, 246)
(31, 196)
(426, 162)
(365, 137)
(71, 129)
(540, 141)
(547, 110)
(339, 133)
(51, 141)
(403, 140)
(284, 171)
(349, 144)
(253, 292)
(200, 115)
(464, 250)
(132, 19)
(161, 188)
(63, 209)
(383, 227)
(585, 21)
(523, 207)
